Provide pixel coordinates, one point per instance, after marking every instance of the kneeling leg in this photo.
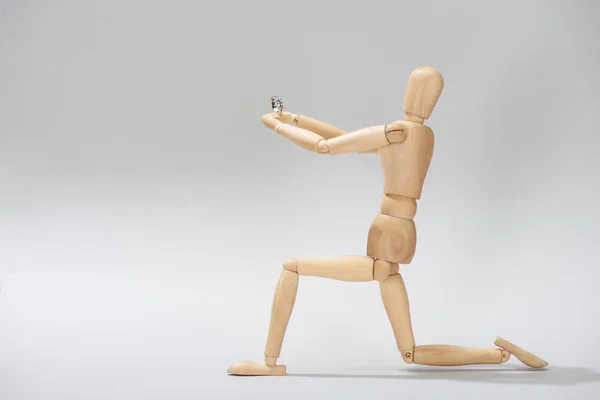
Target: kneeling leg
(395, 300)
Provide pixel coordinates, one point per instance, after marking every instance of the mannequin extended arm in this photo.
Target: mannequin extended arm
(362, 140)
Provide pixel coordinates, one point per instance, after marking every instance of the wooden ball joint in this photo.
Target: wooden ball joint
(405, 149)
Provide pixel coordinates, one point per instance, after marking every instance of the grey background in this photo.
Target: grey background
(145, 211)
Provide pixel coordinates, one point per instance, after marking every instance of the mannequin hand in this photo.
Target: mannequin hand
(285, 116)
(272, 119)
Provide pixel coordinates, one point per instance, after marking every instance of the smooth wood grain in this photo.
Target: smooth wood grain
(384, 269)
(399, 206)
(281, 310)
(405, 149)
(322, 129)
(505, 356)
(270, 120)
(392, 239)
(373, 151)
(396, 132)
(425, 85)
(524, 356)
(342, 268)
(405, 164)
(250, 368)
(395, 301)
(304, 138)
(361, 140)
(291, 265)
(270, 361)
(446, 355)
(413, 118)
(284, 116)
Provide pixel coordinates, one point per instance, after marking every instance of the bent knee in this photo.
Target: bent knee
(291, 265)
(408, 355)
(384, 269)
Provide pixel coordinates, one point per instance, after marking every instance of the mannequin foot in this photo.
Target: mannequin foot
(250, 368)
(524, 356)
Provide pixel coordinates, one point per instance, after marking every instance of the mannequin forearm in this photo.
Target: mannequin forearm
(361, 140)
(302, 137)
(325, 130)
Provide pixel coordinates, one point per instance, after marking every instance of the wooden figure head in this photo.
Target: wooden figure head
(424, 88)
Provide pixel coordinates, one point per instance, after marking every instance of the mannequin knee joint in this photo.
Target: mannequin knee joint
(408, 355)
(291, 265)
(384, 269)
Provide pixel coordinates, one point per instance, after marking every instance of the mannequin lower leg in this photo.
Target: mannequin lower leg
(395, 301)
(446, 355)
(283, 304)
(346, 268)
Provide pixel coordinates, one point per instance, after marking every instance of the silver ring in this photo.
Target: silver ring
(276, 105)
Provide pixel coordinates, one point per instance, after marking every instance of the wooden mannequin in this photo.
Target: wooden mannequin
(405, 149)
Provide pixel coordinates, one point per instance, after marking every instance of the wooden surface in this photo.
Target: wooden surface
(281, 310)
(424, 87)
(399, 206)
(524, 356)
(413, 118)
(405, 150)
(395, 301)
(271, 120)
(446, 355)
(291, 265)
(304, 138)
(254, 369)
(405, 164)
(325, 130)
(361, 140)
(383, 269)
(395, 132)
(505, 355)
(342, 268)
(392, 239)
